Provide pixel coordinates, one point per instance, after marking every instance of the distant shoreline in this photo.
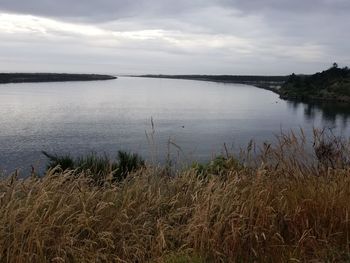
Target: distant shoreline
(275, 84)
(272, 83)
(6, 78)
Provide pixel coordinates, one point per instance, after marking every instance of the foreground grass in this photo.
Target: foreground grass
(282, 208)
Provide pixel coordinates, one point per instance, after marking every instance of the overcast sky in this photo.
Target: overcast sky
(174, 37)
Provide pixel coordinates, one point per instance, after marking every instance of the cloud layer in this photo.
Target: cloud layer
(176, 37)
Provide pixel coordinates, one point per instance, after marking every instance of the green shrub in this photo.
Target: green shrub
(98, 167)
(218, 166)
(65, 162)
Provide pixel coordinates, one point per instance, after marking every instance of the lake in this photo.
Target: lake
(107, 116)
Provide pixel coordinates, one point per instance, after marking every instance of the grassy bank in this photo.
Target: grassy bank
(283, 205)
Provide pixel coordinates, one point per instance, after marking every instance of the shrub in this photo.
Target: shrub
(64, 162)
(218, 166)
(127, 163)
(99, 168)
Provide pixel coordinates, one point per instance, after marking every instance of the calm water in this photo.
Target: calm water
(106, 116)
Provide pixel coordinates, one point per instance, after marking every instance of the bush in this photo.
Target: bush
(218, 166)
(99, 168)
(65, 162)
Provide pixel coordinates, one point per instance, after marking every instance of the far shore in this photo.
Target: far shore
(272, 83)
(6, 78)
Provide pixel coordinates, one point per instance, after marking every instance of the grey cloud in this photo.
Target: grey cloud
(102, 10)
(300, 6)
(286, 35)
(107, 10)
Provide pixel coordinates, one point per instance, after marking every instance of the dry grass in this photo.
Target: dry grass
(284, 208)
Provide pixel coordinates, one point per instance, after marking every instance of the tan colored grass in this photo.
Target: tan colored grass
(290, 212)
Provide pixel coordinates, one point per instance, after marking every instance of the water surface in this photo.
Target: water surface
(107, 116)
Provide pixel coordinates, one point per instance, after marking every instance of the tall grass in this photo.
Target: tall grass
(275, 207)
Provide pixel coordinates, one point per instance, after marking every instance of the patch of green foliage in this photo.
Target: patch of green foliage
(100, 167)
(63, 161)
(331, 84)
(218, 166)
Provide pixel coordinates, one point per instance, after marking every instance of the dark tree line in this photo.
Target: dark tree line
(49, 77)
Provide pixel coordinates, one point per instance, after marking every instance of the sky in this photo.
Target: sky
(261, 37)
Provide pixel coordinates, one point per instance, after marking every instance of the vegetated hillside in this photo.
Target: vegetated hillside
(49, 77)
(282, 206)
(331, 84)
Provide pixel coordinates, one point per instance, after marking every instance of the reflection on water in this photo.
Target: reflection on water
(331, 113)
(107, 116)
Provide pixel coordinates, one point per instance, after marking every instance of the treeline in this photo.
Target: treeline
(331, 84)
(49, 77)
